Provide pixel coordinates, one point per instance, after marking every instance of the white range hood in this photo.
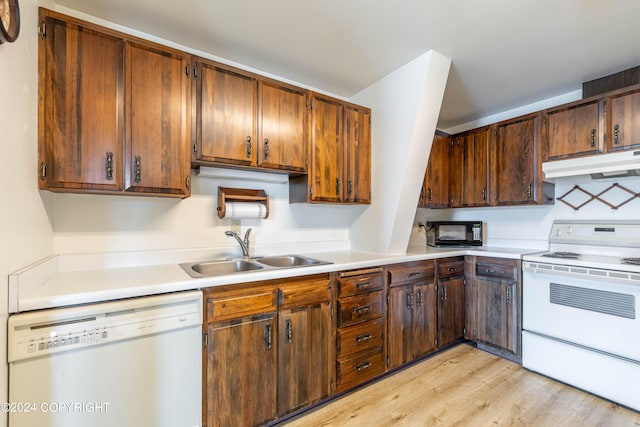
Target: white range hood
(624, 163)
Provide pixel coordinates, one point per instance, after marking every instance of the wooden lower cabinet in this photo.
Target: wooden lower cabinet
(360, 327)
(241, 375)
(497, 305)
(451, 301)
(268, 350)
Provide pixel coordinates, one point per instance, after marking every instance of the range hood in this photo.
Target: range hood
(610, 165)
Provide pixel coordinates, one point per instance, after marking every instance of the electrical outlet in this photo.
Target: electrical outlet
(235, 225)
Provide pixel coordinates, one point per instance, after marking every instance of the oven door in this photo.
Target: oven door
(588, 307)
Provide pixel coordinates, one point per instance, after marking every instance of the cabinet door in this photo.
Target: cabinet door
(225, 105)
(282, 127)
(357, 137)
(157, 136)
(517, 163)
(305, 361)
(623, 125)
(496, 322)
(400, 325)
(450, 310)
(574, 130)
(435, 193)
(81, 108)
(476, 168)
(425, 318)
(327, 150)
(241, 371)
(456, 172)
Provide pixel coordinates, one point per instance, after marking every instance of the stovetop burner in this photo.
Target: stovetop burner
(566, 255)
(632, 261)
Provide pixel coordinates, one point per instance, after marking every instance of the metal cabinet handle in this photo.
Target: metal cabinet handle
(444, 293)
(409, 300)
(413, 274)
(266, 148)
(593, 137)
(420, 298)
(248, 147)
(452, 269)
(362, 310)
(484, 193)
(529, 190)
(429, 193)
(362, 338)
(363, 285)
(337, 186)
(508, 294)
(288, 331)
(361, 366)
(267, 336)
(349, 187)
(109, 166)
(422, 193)
(616, 134)
(498, 272)
(137, 163)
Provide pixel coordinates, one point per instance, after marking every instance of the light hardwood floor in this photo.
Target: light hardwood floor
(464, 386)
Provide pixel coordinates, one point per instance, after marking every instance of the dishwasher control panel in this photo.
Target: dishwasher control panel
(48, 332)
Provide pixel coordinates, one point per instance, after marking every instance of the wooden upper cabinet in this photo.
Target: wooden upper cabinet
(81, 113)
(158, 120)
(574, 129)
(435, 190)
(326, 167)
(623, 120)
(476, 174)
(357, 136)
(456, 171)
(225, 110)
(518, 163)
(282, 127)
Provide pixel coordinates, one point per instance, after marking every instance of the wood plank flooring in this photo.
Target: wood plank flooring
(464, 386)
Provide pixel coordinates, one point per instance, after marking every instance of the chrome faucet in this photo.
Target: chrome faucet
(243, 244)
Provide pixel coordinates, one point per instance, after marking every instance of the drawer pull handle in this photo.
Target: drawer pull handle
(363, 285)
(452, 269)
(362, 310)
(498, 272)
(413, 274)
(363, 337)
(267, 337)
(288, 331)
(362, 366)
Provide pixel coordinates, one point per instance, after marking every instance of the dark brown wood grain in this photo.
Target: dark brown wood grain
(456, 172)
(225, 109)
(282, 127)
(450, 309)
(435, 190)
(476, 183)
(359, 368)
(360, 284)
(81, 113)
(623, 126)
(357, 145)
(158, 116)
(411, 272)
(359, 308)
(574, 130)
(360, 337)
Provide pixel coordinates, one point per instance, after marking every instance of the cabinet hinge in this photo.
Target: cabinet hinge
(464, 331)
(387, 361)
(188, 70)
(195, 147)
(205, 339)
(387, 299)
(436, 343)
(332, 385)
(188, 182)
(309, 104)
(42, 30)
(544, 120)
(310, 192)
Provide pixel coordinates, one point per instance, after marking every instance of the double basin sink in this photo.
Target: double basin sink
(245, 265)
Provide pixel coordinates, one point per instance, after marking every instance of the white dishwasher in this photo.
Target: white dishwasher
(134, 362)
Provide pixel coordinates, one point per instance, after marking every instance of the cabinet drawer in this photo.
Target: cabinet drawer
(360, 337)
(312, 291)
(359, 308)
(411, 272)
(359, 368)
(448, 267)
(492, 267)
(359, 282)
(232, 306)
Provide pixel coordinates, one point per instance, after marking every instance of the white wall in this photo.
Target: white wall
(25, 230)
(405, 108)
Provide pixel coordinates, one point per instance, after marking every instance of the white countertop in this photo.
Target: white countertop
(49, 283)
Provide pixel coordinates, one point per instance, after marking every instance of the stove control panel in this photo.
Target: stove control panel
(611, 233)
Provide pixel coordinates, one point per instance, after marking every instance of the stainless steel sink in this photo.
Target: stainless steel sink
(219, 268)
(285, 261)
(245, 265)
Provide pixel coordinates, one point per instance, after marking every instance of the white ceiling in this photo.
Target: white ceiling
(505, 53)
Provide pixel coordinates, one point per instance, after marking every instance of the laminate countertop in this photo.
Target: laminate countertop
(61, 280)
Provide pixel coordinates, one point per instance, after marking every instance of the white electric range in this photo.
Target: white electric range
(580, 308)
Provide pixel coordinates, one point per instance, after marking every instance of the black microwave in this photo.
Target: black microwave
(454, 233)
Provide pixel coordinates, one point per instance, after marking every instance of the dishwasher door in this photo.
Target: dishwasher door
(135, 362)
